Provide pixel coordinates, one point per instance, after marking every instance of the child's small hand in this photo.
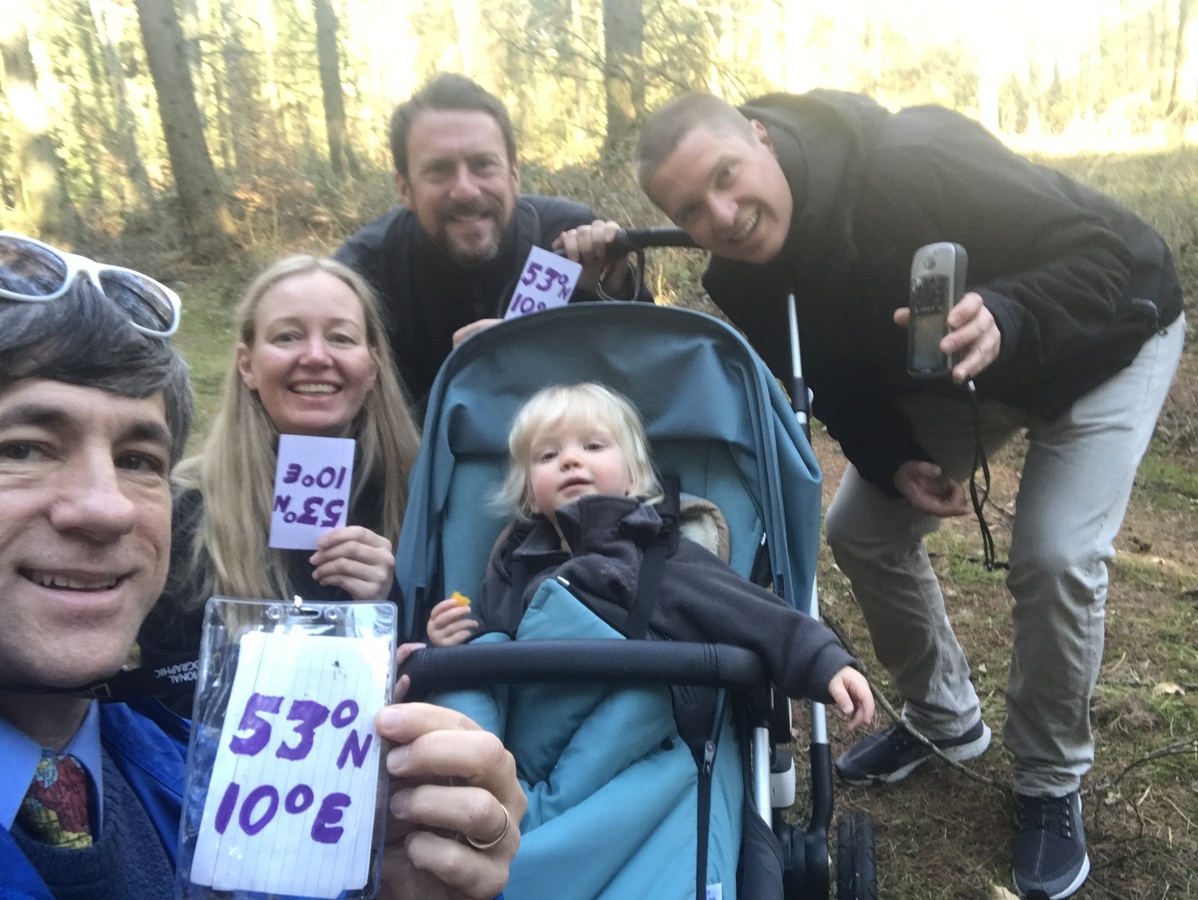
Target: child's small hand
(850, 691)
(450, 622)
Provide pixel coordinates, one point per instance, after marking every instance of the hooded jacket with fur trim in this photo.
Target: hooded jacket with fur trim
(698, 599)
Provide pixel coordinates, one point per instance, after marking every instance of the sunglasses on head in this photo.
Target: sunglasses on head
(33, 272)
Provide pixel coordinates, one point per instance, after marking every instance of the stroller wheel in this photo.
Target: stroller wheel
(856, 876)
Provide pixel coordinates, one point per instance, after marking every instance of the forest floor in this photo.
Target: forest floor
(943, 833)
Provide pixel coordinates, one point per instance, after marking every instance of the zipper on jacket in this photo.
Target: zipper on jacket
(706, 769)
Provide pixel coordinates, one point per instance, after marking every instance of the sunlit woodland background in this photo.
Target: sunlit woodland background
(195, 118)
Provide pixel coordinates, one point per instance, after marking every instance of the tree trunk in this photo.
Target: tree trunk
(1185, 9)
(241, 89)
(993, 61)
(93, 114)
(206, 219)
(465, 19)
(126, 125)
(42, 196)
(623, 75)
(720, 48)
(277, 113)
(341, 157)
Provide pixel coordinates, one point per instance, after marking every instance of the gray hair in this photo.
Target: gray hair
(83, 338)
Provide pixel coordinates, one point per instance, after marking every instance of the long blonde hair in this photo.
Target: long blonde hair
(235, 469)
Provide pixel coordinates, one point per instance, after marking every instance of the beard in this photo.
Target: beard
(473, 243)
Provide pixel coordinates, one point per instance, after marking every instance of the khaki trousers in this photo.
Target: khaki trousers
(1073, 493)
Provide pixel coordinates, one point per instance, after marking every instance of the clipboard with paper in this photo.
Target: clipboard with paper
(285, 791)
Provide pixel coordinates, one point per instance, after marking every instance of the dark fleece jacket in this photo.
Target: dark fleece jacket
(426, 297)
(699, 598)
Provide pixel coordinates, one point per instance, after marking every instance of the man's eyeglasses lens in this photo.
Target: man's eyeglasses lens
(141, 300)
(29, 269)
(33, 271)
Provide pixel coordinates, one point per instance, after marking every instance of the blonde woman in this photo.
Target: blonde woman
(311, 359)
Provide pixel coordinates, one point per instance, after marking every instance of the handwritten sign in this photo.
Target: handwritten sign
(547, 281)
(292, 802)
(312, 484)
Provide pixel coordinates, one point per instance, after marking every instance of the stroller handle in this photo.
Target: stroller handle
(581, 661)
(628, 240)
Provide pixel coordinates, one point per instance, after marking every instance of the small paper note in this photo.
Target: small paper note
(292, 802)
(312, 485)
(547, 281)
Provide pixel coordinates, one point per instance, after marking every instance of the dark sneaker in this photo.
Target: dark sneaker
(1050, 847)
(893, 754)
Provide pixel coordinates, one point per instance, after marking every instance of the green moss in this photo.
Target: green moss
(1167, 482)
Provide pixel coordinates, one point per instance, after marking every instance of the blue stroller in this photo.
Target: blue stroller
(665, 819)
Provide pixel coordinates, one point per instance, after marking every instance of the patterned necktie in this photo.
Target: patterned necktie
(55, 806)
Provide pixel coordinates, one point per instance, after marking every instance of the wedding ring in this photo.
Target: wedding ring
(480, 845)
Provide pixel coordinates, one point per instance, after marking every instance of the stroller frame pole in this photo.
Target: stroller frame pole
(816, 836)
(761, 752)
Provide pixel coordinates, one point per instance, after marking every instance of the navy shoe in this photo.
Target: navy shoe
(1050, 847)
(893, 754)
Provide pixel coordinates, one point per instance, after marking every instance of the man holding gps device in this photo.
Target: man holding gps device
(1069, 328)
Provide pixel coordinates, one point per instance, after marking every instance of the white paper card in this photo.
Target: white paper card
(547, 281)
(291, 805)
(312, 484)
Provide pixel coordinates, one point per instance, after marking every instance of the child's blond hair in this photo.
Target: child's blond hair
(576, 406)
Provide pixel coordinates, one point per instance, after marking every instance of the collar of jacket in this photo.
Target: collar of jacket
(591, 523)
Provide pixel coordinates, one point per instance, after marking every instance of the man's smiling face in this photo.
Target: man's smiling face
(727, 191)
(460, 183)
(85, 520)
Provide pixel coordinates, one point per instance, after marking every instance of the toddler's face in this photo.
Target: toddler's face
(567, 463)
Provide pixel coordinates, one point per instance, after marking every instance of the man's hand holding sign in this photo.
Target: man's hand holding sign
(547, 281)
(455, 802)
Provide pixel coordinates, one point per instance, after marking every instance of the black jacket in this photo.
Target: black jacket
(699, 598)
(426, 297)
(1075, 282)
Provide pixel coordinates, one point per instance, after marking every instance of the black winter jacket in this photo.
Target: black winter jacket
(427, 297)
(699, 598)
(1075, 282)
